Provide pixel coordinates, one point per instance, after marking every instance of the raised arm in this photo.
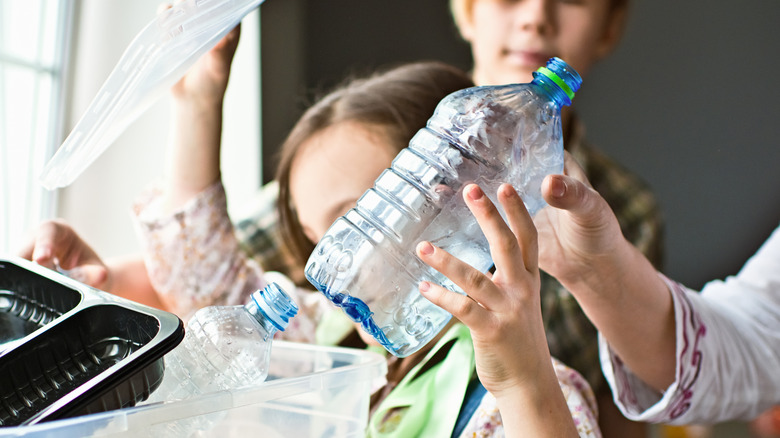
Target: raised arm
(504, 315)
(620, 291)
(193, 158)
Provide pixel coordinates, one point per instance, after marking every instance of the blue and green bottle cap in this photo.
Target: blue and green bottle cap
(563, 75)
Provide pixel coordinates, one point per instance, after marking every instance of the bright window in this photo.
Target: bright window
(33, 48)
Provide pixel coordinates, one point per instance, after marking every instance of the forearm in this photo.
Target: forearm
(192, 256)
(537, 410)
(631, 306)
(130, 280)
(194, 155)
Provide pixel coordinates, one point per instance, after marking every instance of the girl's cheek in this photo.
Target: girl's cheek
(368, 339)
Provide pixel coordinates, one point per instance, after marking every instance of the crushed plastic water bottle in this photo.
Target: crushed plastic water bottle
(226, 347)
(366, 262)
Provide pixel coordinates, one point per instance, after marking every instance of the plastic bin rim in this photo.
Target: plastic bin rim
(368, 367)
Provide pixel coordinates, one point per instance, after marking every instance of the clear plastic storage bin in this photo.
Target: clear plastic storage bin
(74, 361)
(311, 391)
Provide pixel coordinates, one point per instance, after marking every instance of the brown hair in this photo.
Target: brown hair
(399, 102)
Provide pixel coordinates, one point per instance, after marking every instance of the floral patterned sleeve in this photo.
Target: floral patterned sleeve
(486, 421)
(194, 260)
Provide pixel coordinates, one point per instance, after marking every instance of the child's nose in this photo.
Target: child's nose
(534, 15)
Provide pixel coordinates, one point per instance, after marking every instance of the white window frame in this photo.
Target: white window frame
(21, 164)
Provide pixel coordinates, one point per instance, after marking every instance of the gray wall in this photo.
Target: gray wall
(688, 101)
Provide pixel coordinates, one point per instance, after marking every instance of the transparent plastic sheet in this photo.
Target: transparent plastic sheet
(155, 60)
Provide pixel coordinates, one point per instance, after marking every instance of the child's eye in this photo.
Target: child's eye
(510, 3)
(573, 2)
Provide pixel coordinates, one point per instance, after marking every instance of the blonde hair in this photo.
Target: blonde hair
(461, 11)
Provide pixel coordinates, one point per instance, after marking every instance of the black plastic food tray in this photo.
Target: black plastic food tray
(67, 349)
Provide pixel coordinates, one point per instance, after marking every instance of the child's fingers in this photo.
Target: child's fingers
(162, 7)
(229, 43)
(476, 284)
(460, 306)
(522, 226)
(26, 251)
(568, 193)
(57, 246)
(46, 247)
(504, 247)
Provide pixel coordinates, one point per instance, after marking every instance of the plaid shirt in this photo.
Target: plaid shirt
(260, 237)
(570, 335)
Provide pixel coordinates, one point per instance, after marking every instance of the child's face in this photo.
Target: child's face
(510, 39)
(332, 169)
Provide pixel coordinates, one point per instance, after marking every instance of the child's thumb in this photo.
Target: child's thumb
(586, 206)
(566, 193)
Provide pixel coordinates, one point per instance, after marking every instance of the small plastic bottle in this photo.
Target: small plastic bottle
(226, 347)
(366, 262)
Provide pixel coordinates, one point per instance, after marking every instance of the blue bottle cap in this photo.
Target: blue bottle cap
(274, 304)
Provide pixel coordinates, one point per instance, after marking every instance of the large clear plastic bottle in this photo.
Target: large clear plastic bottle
(366, 262)
(226, 347)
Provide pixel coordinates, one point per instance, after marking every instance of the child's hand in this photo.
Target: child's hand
(57, 246)
(502, 312)
(206, 81)
(580, 231)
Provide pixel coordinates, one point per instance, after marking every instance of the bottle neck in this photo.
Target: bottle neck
(551, 89)
(261, 318)
(272, 308)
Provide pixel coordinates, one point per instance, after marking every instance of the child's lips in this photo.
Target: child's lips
(527, 58)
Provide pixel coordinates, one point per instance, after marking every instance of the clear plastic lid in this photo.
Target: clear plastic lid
(155, 60)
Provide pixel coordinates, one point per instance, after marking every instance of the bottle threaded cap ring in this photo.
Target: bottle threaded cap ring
(565, 77)
(275, 305)
(558, 81)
